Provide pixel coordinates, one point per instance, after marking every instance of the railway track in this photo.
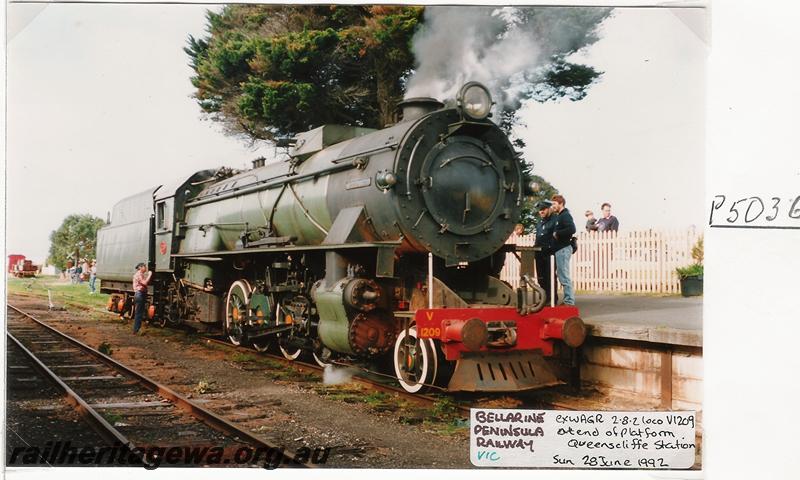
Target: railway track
(369, 379)
(362, 379)
(461, 401)
(133, 413)
(384, 383)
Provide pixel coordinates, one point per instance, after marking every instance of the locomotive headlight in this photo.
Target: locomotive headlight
(475, 101)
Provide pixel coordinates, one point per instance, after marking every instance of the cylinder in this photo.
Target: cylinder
(361, 294)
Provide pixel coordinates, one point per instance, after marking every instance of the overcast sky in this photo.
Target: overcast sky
(100, 107)
(637, 139)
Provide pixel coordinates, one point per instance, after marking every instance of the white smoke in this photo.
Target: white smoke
(462, 44)
(336, 376)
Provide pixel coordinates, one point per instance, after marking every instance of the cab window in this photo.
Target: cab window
(161, 215)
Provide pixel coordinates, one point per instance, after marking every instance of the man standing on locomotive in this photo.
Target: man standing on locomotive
(544, 240)
(564, 229)
(140, 281)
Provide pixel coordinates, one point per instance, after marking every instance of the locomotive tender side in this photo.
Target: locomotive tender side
(329, 251)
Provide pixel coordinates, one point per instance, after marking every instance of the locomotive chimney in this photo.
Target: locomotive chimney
(259, 162)
(413, 108)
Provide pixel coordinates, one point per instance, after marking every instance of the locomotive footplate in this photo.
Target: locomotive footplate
(502, 372)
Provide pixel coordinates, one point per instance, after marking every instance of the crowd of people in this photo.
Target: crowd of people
(81, 272)
(555, 238)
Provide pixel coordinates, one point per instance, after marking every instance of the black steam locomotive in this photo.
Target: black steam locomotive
(363, 243)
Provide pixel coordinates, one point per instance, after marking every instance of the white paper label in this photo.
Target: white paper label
(582, 439)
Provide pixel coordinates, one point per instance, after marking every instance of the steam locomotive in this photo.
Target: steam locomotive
(363, 244)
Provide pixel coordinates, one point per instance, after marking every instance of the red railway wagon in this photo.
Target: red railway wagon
(13, 259)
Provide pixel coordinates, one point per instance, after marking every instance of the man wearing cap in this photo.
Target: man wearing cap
(564, 229)
(140, 281)
(544, 240)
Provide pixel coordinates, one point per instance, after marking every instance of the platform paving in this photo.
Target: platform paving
(671, 320)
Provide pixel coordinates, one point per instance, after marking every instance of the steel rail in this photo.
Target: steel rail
(204, 415)
(106, 431)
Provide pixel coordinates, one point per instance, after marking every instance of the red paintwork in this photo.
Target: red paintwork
(535, 331)
(452, 330)
(13, 259)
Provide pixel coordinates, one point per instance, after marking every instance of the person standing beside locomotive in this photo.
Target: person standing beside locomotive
(141, 279)
(608, 222)
(85, 269)
(93, 278)
(544, 240)
(563, 230)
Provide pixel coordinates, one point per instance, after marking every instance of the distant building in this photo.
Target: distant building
(50, 270)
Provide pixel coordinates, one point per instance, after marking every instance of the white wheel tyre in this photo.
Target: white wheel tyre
(318, 358)
(415, 369)
(288, 354)
(236, 307)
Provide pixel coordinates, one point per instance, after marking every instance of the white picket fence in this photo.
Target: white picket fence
(639, 261)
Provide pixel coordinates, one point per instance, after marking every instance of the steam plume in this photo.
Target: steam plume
(336, 376)
(488, 45)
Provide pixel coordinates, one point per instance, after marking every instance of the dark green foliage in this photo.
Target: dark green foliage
(76, 233)
(563, 79)
(695, 270)
(275, 70)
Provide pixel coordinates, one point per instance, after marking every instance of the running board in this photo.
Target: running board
(502, 372)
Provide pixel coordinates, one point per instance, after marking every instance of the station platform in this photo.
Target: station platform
(671, 320)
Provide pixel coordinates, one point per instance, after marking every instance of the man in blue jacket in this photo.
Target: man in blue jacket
(544, 240)
(563, 231)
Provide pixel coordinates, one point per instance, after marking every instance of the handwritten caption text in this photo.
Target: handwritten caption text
(588, 439)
